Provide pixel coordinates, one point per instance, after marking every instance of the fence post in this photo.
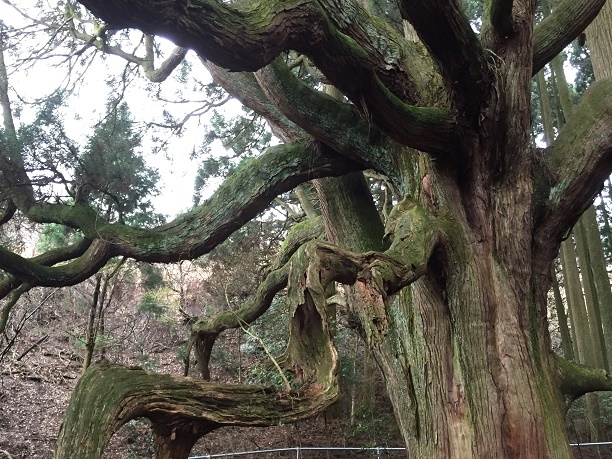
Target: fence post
(297, 453)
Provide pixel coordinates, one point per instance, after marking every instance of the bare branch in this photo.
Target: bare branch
(380, 74)
(566, 22)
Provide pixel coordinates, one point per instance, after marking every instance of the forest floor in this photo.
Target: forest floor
(35, 389)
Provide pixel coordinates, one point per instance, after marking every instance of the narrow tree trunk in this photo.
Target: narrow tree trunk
(90, 333)
(566, 339)
(584, 337)
(599, 275)
(590, 297)
(606, 230)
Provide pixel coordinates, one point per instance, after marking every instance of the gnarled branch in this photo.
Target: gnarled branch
(180, 409)
(576, 165)
(566, 22)
(447, 34)
(425, 128)
(576, 380)
(338, 43)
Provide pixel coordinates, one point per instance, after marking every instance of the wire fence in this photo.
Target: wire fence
(378, 452)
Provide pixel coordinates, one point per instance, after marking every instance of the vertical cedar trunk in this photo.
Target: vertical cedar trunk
(599, 275)
(585, 345)
(463, 379)
(606, 231)
(173, 444)
(590, 297)
(466, 357)
(566, 339)
(599, 38)
(90, 333)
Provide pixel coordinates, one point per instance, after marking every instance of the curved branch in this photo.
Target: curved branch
(338, 125)
(181, 409)
(12, 301)
(338, 43)
(99, 41)
(446, 32)
(94, 258)
(240, 198)
(166, 67)
(251, 311)
(376, 276)
(566, 22)
(206, 330)
(49, 258)
(576, 380)
(8, 212)
(577, 165)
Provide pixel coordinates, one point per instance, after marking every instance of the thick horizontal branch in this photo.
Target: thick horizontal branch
(576, 380)
(108, 396)
(576, 165)
(77, 270)
(565, 23)
(246, 36)
(446, 32)
(49, 258)
(240, 198)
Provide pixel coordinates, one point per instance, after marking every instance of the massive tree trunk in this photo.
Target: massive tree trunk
(451, 298)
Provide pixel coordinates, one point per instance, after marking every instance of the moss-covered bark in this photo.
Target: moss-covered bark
(182, 410)
(454, 308)
(107, 396)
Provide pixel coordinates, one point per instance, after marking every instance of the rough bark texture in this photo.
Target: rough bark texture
(452, 302)
(182, 410)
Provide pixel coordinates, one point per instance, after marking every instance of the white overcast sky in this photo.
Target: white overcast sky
(177, 171)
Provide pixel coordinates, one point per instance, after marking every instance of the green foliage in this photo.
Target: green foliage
(148, 363)
(113, 174)
(48, 153)
(580, 60)
(244, 135)
(53, 236)
(101, 341)
(152, 276)
(271, 328)
(261, 374)
(373, 428)
(151, 304)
